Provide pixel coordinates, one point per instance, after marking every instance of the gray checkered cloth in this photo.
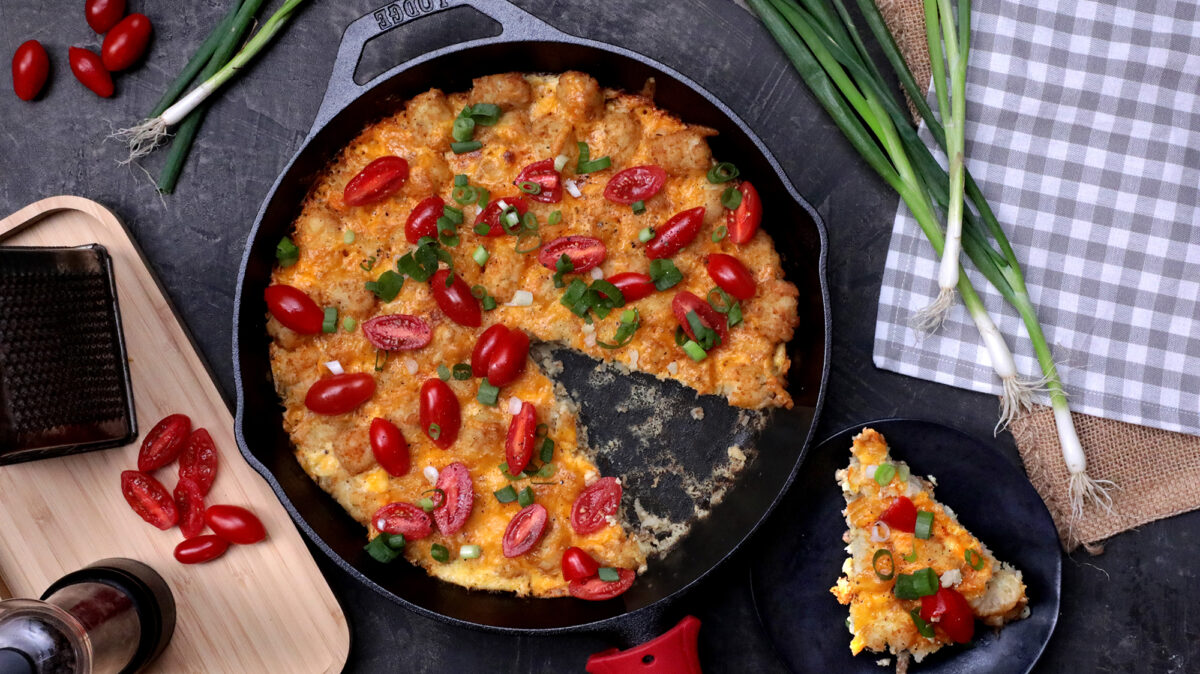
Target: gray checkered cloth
(1084, 134)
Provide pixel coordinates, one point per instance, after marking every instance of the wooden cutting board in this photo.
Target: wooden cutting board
(259, 608)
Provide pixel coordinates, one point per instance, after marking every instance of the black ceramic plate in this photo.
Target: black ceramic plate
(800, 552)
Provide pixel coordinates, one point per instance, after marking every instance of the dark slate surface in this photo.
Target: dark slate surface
(1131, 609)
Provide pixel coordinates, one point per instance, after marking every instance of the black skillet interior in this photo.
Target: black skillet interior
(635, 435)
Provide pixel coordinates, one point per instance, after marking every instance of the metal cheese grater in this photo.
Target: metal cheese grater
(64, 377)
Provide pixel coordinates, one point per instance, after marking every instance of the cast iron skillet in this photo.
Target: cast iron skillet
(527, 44)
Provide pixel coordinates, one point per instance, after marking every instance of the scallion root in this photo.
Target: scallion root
(929, 319)
(141, 138)
(1085, 489)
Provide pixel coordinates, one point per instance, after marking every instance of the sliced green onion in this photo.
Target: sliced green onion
(478, 291)
(435, 431)
(629, 326)
(348, 324)
(560, 161)
(694, 351)
(482, 229)
(912, 555)
(485, 114)
(480, 255)
(884, 474)
(529, 221)
(461, 180)
(588, 165)
(286, 252)
(465, 147)
(639, 207)
(547, 470)
(529, 187)
(455, 215)
(722, 173)
(547, 452)
(614, 296)
(507, 494)
(379, 365)
(574, 293)
(488, 394)
(542, 431)
(488, 303)
(720, 301)
(330, 322)
(735, 314)
(464, 129)
(461, 371)
(902, 471)
(555, 217)
(470, 552)
(562, 265)
(719, 234)
(385, 547)
(974, 558)
(463, 194)
(484, 196)
(443, 372)
(439, 552)
(348, 237)
(731, 198)
(367, 264)
(525, 497)
(527, 242)
(891, 564)
(924, 528)
(646, 234)
(704, 335)
(609, 574)
(916, 585)
(681, 337)
(924, 628)
(426, 504)
(664, 274)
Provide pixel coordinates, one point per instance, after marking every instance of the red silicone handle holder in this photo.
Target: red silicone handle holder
(672, 653)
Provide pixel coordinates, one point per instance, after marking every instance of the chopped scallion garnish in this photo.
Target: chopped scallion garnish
(563, 265)
(465, 147)
(924, 527)
(639, 207)
(924, 628)
(482, 229)
(560, 161)
(587, 164)
(435, 431)
(480, 255)
(609, 574)
(735, 314)
(485, 114)
(387, 286)
(461, 180)
(547, 470)
(884, 474)
(367, 264)
(630, 322)
(555, 217)
(439, 552)
(464, 129)
(463, 194)
(330, 322)
(722, 173)
(664, 274)
(525, 497)
(470, 552)
(461, 371)
(720, 301)
(529, 187)
(348, 237)
(443, 372)
(488, 394)
(507, 494)
(547, 451)
(348, 324)
(385, 547)
(731, 198)
(694, 351)
(646, 234)
(286, 253)
(719, 234)
(916, 585)
(889, 570)
(528, 242)
(974, 559)
(379, 363)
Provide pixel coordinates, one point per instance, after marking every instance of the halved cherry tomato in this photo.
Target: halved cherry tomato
(397, 332)
(595, 505)
(633, 285)
(685, 303)
(951, 612)
(30, 69)
(490, 215)
(200, 549)
(578, 564)
(198, 460)
(731, 275)
(439, 406)
(584, 252)
(149, 499)
(481, 355)
(377, 181)
(235, 524)
(676, 233)
(546, 177)
(637, 183)
(594, 589)
(339, 393)
(522, 433)
(455, 482)
(403, 518)
(457, 302)
(389, 447)
(508, 358)
(423, 219)
(89, 70)
(524, 530)
(126, 42)
(189, 501)
(743, 221)
(164, 442)
(102, 15)
(900, 515)
(294, 309)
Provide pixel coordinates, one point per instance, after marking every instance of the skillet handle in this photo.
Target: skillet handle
(672, 653)
(515, 23)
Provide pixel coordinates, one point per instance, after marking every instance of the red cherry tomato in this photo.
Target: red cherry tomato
(389, 447)
(126, 42)
(481, 355)
(676, 233)
(200, 549)
(403, 518)
(508, 358)
(731, 275)
(440, 406)
(594, 589)
(423, 219)
(522, 434)
(524, 530)
(397, 332)
(457, 302)
(235, 524)
(578, 564)
(30, 69)
(685, 303)
(189, 501)
(377, 181)
(637, 183)
(89, 70)
(545, 176)
(949, 610)
(164, 442)
(584, 252)
(633, 285)
(901, 515)
(595, 505)
(294, 309)
(490, 215)
(149, 499)
(455, 481)
(339, 393)
(102, 15)
(198, 460)
(743, 221)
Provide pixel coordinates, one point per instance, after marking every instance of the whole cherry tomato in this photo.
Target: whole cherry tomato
(949, 611)
(524, 530)
(457, 302)
(633, 285)
(900, 515)
(439, 412)
(490, 215)
(198, 460)
(676, 233)
(481, 355)
(397, 332)
(149, 499)
(455, 482)
(189, 501)
(90, 71)
(508, 358)
(102, 15)
(339, 393)
(389, 447)
(543, 174)
(126, 42)
(377, 181)
(294, 309)
(235, 524)
(584, 252)
(423, 219)
(578, 564)
(522, 434)
(403, 518)
(731, 275)
(594, 589)
(30, 69)
(637, 183)
(685, 303)
(743, 221)
(200, 549)
(595, 505)
(164, 442)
